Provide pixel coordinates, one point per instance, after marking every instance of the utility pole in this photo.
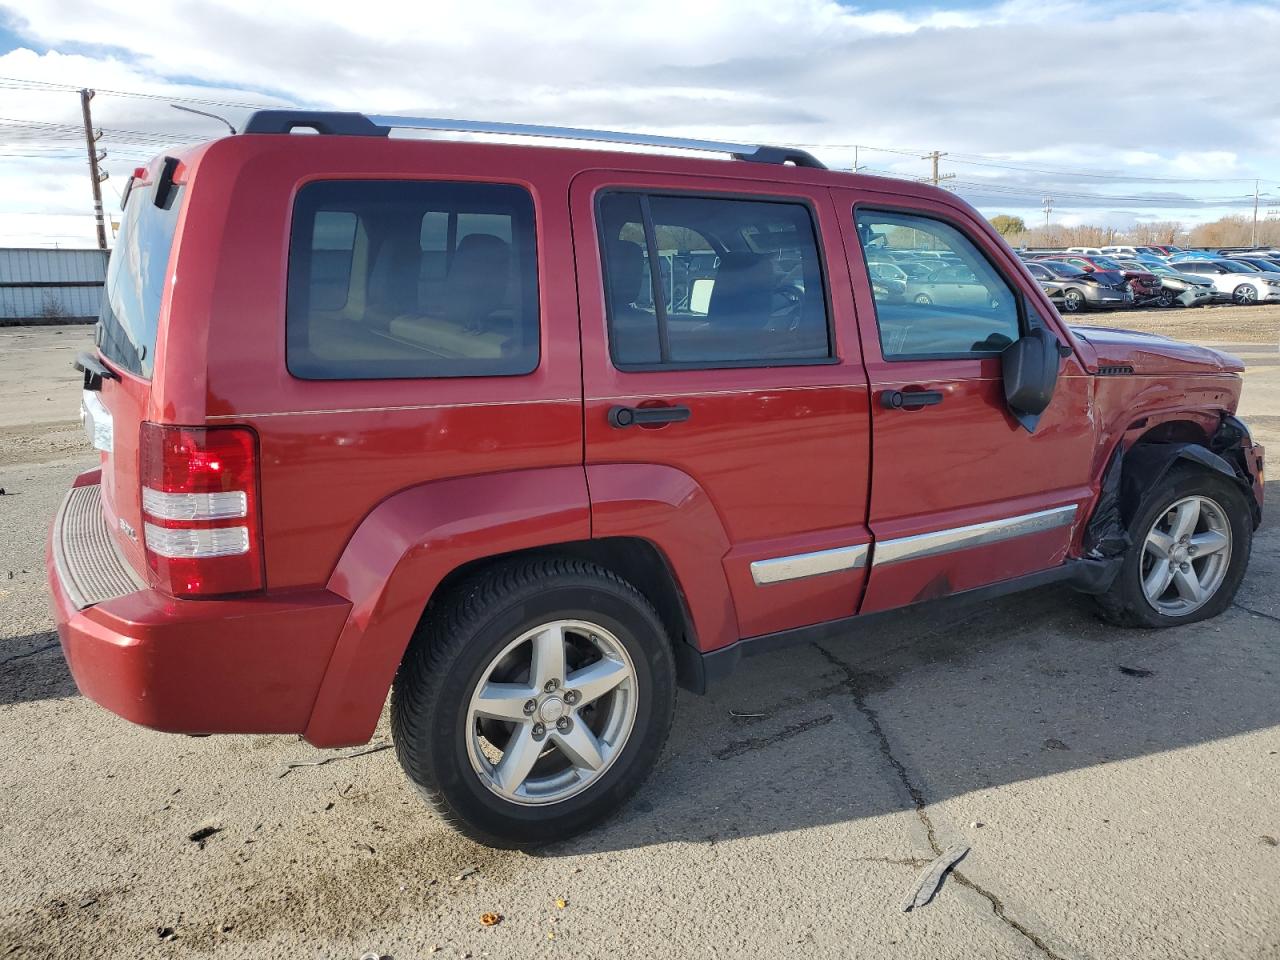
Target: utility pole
(935, 157)
(1047, 203)
(1254, 242)
(97, 176)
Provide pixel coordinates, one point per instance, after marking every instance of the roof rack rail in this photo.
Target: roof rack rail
(360, 125)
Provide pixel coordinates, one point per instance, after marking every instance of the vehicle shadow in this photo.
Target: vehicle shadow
(951, 701)
(32, 668)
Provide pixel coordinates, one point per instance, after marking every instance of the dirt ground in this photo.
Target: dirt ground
(1118, 789)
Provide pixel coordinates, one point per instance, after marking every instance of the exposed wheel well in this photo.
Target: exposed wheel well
(1174, 431)
(638, 562)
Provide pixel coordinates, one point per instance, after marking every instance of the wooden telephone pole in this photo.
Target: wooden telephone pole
(936, 177)
(95, 175)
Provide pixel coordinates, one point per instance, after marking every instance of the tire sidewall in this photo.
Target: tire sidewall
(1184, 481)
(641, 635)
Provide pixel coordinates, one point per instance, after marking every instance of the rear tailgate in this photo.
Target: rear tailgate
(116, 404)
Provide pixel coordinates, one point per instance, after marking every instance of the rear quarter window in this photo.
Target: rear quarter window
(411, 279)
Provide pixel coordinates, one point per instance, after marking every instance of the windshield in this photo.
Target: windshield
(1060, 269)
(1106, 263)
(1235, 266)
(135, 284)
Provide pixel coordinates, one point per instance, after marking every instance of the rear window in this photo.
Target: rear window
(410, 279)
(136, 280)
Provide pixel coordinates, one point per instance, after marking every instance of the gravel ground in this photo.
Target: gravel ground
(1118, 788)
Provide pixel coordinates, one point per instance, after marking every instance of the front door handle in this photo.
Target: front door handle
(909, 399)
(630, 416)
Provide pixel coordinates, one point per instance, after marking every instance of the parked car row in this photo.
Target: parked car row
(1080, 278)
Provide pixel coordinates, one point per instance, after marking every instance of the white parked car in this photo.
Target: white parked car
(1234, 281)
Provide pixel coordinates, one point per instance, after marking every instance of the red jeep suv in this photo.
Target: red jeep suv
(529, 436)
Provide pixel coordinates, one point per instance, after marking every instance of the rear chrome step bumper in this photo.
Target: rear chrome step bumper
(87, 560)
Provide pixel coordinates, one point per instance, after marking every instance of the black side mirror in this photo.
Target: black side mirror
(1030, 369)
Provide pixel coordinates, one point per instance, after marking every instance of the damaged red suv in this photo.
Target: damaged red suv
(526, 437)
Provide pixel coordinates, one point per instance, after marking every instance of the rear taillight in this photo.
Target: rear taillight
(200, 509)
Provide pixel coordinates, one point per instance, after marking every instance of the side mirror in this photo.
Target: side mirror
(1030, 369)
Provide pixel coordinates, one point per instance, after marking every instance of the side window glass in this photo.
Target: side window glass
(392, 279)
(962, 308)
(735, 281)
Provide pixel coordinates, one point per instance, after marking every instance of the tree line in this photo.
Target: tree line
(1233, 231)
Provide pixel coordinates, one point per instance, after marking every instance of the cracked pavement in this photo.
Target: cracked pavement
(1117, 788)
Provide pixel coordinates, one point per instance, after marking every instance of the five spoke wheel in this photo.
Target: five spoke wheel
(1185, 556)
(551, 712)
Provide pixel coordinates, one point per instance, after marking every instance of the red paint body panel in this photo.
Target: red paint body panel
(373, 492)
(400, 554)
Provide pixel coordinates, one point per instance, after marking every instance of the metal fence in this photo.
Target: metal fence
(50, 286)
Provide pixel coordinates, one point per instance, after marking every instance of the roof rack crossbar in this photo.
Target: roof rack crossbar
(357, 124)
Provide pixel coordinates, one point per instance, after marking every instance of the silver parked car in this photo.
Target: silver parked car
(954, 285)
(1081, 290)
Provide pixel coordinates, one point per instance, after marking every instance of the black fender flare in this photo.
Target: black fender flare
(1146, 464)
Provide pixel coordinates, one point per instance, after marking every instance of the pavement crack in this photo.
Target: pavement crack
(1257, 613)
(886, 750)
(997, 907)
(29, 653)
(739, 747)
(855, 690)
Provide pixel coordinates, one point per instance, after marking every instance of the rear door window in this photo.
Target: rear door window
(738, 282)
(135, 285)
(965, 308)
(409, 279)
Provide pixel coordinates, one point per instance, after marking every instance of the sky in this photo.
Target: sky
(1121, 111)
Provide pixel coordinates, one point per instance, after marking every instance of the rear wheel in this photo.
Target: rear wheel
(1191, 539)
(533, 701)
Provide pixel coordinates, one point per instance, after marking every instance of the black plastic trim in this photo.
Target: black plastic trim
(164, 185)
(1088, 576)
(330, 123)
(94, 370)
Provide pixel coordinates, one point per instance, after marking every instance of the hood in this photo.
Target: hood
(1150, 353)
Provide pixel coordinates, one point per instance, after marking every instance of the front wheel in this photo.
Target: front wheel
(1166, 298)
(1072, 301)
(1191, 538)
(533, 701)
(1245, 294)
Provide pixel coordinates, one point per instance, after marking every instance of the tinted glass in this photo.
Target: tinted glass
(738, 281)
(135, 283)
(965, 309)
(412, 279)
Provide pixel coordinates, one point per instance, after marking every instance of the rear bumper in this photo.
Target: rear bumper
(246, 665)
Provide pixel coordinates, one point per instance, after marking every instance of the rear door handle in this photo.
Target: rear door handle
(630, 416)
(909, 399)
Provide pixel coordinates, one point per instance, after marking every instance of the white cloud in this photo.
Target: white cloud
(1060, 86)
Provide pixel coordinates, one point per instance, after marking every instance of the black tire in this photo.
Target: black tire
(459, 637)
(1073, 301)
(1245, 295)
(923, 299)
(1125, 604)
(1166, 298)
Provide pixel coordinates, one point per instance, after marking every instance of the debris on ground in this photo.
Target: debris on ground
(977, 824)
(490, 919)
(469, 871)
(744, 716)
(1053, 743)
(292, 764)
(1270, 841)
(166, 934)
(930, 879)
(561, 903)
(1137, 672)
(203, 833)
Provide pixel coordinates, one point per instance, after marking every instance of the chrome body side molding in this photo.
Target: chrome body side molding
(800, 565)
(973, 535)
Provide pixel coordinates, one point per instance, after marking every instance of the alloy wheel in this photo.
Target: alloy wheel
(551, 712)
(1245, 293)
(1185, 556)
(1072, 301)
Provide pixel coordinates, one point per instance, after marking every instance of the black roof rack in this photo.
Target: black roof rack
(360, 125)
